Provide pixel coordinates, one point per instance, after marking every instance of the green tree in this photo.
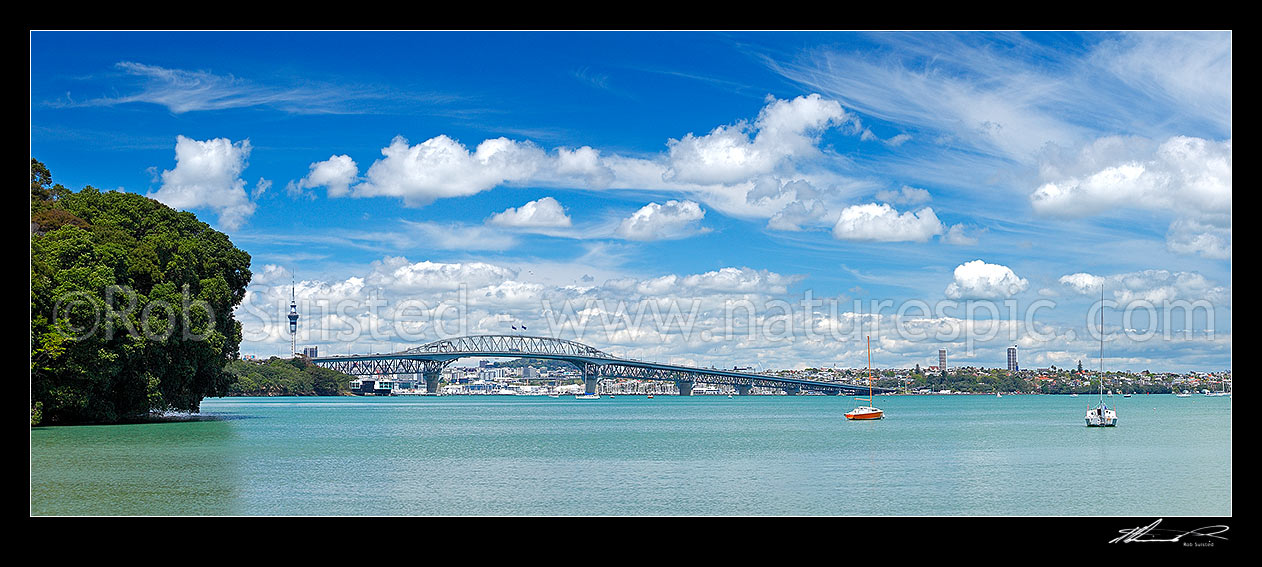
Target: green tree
(286, 377)
(131, 305)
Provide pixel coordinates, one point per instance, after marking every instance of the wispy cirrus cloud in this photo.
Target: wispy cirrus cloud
(1006, 94)
(182, 91)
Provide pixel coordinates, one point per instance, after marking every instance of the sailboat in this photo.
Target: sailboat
(867, 412)
(1219, 393)
(1102, 415)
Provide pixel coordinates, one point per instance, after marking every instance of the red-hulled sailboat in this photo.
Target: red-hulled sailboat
(868, 411)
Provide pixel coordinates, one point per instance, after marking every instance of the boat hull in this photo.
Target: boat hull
(1112, 423)
(865, 415)
(1097, 419)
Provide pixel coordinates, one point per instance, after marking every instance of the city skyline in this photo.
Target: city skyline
(511, 173)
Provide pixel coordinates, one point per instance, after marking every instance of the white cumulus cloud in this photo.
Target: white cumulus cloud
(1181, 174)
(785, 129)
(882, 223)
(442, 167)
(208, 175)
(336, 173)
(979, 280)
(394, 272)
(1154, 286)
(1189, 177)
(584, 162)
(670, 220)
(542, 213)
(1187, 236)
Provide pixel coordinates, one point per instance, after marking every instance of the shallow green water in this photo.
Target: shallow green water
(499, 455)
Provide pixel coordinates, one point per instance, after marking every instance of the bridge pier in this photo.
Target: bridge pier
(792, 390)
(431, 381)
(743, 389)
(685, 387)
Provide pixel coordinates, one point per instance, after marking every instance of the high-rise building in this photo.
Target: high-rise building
(942, 360)
(1012, 359)
(311, 352)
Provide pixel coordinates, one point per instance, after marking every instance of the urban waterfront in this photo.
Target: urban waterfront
(1016, 455)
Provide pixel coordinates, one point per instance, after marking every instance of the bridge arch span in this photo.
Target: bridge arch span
(430, 358)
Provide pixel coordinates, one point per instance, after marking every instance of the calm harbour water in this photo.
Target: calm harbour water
(629, 455)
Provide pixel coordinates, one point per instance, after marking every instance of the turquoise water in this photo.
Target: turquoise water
(629, 455)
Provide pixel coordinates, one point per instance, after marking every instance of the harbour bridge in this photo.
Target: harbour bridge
(428, 360)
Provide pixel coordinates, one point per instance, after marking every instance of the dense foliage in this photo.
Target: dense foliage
(285, 377)
(131, 305)
(985, 381)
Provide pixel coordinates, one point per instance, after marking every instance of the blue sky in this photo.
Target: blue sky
(698, 170)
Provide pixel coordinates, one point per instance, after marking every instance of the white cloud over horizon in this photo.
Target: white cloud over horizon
(1153, 286)
(687, 318)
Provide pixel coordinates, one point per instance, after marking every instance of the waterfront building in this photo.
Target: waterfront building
(942, 360)
(1012, 359)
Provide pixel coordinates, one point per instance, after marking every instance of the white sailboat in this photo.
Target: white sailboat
(1219, 393)
(1102, 415)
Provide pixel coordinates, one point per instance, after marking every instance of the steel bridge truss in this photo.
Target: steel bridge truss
(513, 345)
(430, 359)
(643, 371)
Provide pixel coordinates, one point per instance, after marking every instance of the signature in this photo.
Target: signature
(1151, 533)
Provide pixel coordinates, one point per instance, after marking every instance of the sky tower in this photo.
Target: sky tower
(293, 321)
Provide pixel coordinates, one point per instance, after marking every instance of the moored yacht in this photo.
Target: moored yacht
(1102, 415)
(868, 411)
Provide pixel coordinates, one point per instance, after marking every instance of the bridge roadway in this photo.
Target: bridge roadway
(429, 359)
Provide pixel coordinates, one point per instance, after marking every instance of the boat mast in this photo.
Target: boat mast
(1101, 343)
(869, 370)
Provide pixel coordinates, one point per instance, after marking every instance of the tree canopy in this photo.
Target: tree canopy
(131, 305)
(286, 377)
